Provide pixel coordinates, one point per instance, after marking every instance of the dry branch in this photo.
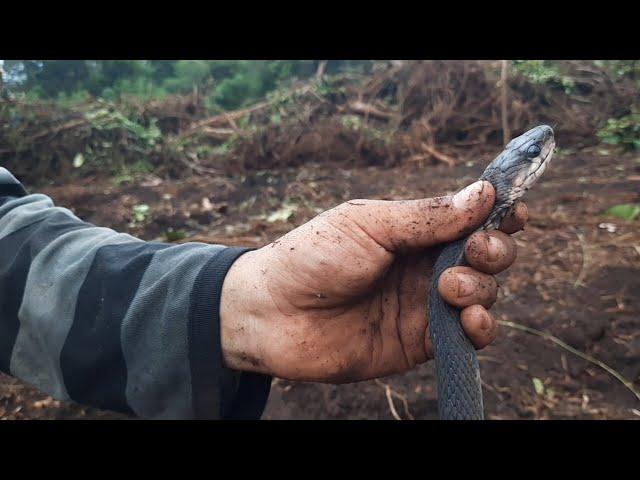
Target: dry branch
(369, 110)
(450, 161)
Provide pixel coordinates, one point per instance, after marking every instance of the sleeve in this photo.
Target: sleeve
(108, 320)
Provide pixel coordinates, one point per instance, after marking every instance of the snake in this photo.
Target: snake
(459, 387)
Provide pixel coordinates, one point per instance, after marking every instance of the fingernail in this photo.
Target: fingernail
(466, 285)
(485, 323)
(468, 195)
(494, 249)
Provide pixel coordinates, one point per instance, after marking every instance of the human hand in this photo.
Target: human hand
(343, 298)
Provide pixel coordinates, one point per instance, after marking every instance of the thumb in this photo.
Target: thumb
(408, 224)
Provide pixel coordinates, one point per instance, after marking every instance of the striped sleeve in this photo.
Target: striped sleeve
(108, 320)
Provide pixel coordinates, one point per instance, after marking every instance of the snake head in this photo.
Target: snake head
(517, 168)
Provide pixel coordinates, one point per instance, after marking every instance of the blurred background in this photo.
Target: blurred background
(240, 152)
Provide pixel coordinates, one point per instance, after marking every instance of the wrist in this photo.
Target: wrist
(241, 318)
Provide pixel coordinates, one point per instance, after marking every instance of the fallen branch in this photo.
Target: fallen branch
(450, 161)
(369, 110)
(627, 383)
(219, 133)
(50, 132)
(228, 117)
(197, 168)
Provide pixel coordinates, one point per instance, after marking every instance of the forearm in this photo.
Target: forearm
(108, 320)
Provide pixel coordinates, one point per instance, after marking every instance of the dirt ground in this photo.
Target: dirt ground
(576, 278)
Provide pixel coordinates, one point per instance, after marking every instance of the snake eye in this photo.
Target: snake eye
(533, 151)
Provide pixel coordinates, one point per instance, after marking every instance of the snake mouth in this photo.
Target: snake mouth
(539, 165)
(548, 150)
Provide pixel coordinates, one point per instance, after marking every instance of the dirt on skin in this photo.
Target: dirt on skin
(577, 277)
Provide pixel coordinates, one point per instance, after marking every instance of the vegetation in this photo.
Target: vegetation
(625, 211)
(544, 72)
(135, 117)
(623, 132)
(225, 84)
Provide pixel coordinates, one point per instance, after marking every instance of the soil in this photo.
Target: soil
(574, 278)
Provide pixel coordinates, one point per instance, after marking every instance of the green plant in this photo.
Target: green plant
(225, 147)
(120, 178)
(623, 132)
(128, 173)
(351, 122)
(543, 72)
(112, 119)
(140, 213)
(171, 235)
(626, 211)
(620, 68)
(355, 123)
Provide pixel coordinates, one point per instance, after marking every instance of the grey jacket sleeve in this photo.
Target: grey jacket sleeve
(108, 320)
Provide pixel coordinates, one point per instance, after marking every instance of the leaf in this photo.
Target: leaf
(172, 235)
(538, 386)
(78, 160)
(284, 213)
(626, 211)
(140, 212)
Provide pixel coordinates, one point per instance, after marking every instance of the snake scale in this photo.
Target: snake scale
(511, 173)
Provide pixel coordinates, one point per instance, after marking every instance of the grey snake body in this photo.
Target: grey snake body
(520, 164)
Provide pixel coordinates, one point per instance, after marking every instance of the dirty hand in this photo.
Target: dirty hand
(342, 298)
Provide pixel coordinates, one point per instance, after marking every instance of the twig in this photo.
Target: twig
(197, 168)
(504, 74)
(369, 110)
(583, 267)
(390, 393)
(438, 155)
(50, 132)
(628, 384)
(489, 387)
(226, 117)
(223, 118)
(321, 68)
(233, 124)
(391, 405)
(488, 359)
(219, 133)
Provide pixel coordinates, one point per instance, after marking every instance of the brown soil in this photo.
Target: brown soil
(573, 279)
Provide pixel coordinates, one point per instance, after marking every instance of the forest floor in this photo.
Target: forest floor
(577, 277)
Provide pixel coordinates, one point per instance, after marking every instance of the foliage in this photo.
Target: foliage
(538, 386)
(140, 213)
(94, 120)
(355, 123)
(128, 173)
(543, 72)
(626, 211)
(112, 119)
(621, 68)
(171, 235)
(623, 132)
(225, 84)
